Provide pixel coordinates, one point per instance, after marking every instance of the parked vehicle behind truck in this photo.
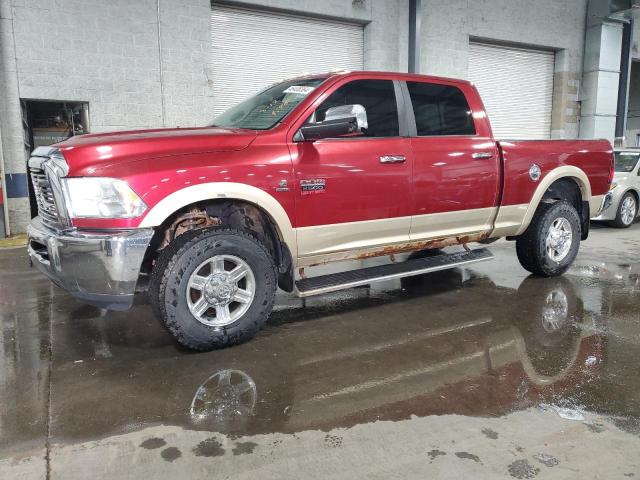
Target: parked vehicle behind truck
(313, 170)
(620, 207)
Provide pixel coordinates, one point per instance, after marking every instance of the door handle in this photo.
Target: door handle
(482, 155)
(392, 159)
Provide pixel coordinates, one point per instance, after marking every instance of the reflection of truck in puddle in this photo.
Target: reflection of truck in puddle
(474, 359)
(384, 356)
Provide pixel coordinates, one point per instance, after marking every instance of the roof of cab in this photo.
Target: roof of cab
(381, 74)
(398, 75)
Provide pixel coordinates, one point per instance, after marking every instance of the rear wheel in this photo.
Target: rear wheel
(551, 242)
(216, 290)
(627, 211)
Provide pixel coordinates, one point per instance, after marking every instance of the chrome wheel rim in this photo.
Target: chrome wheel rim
(555, 311)
(220, 290)
(628, 210)
(559, 239)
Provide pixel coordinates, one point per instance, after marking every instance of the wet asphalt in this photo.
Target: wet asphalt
(421, 367)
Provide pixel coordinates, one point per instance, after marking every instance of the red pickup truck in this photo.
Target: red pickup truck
(317, 169)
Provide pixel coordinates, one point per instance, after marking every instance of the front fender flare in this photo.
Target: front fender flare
(227, 191)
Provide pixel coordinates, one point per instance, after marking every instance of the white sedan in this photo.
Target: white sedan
(620, 206)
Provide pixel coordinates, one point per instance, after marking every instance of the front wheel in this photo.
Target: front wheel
(551, 242)
(627, 211)
(216, 290)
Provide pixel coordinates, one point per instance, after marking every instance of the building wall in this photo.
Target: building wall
(105, 53)
(635, 42)
(11, 133)
(448, 25)
(140, 64)
(633, 119)
(144, 63)
(601, 78)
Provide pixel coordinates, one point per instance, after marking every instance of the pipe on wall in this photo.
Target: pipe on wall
(415, 20)
(5, 205)
(160, 66)
(625, 77)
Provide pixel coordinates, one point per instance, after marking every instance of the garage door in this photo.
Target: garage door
(517, 89)
(253, 49)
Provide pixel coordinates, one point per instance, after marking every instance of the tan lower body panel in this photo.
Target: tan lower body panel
(326, 239)
(451, 224)
(509, 220)
(357, 240)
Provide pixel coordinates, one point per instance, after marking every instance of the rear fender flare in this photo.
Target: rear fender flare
(567, 171)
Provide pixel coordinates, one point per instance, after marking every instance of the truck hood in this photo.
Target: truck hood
(86, 153)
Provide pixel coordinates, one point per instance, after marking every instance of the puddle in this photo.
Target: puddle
(483, 341)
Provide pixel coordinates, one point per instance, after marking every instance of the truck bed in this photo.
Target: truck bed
(594, 157)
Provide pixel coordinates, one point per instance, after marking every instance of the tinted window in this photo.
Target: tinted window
(377, 97)
(440, 110)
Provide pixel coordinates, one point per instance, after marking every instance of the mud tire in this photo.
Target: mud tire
(531, 245)
(171, 275)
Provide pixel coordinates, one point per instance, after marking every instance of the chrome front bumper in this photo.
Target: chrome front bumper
(100, 269)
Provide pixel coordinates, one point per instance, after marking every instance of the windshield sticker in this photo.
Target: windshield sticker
(299, 90)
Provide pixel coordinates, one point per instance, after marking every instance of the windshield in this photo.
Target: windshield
(264, 110)
(626, 162)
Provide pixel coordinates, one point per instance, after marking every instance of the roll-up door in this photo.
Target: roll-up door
(252, 49)
(516, 86)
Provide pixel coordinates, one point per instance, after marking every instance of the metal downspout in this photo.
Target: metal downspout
(415, 20)
(164, 120)
(5, 205)
(625, 77)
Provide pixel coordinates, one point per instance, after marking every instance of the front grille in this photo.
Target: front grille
(44, 197)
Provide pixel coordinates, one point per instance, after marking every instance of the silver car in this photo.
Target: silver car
(620, 206)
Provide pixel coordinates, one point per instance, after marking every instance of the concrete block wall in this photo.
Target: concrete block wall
(449, 25)
(186, 49)
(107, 53)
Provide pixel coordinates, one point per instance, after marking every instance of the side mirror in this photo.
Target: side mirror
(338, 122)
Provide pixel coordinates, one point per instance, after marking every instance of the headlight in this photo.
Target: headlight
(613, 186)
(94, 197)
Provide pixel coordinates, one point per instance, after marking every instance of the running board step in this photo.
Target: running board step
(417, 266)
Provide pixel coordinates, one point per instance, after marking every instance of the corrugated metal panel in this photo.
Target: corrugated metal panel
(253, 49)
(516, 86)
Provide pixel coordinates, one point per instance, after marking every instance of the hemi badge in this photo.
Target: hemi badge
(311, 186)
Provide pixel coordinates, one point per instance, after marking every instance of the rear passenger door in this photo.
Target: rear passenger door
(456, 162)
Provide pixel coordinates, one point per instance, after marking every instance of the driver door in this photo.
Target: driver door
(354, 193)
